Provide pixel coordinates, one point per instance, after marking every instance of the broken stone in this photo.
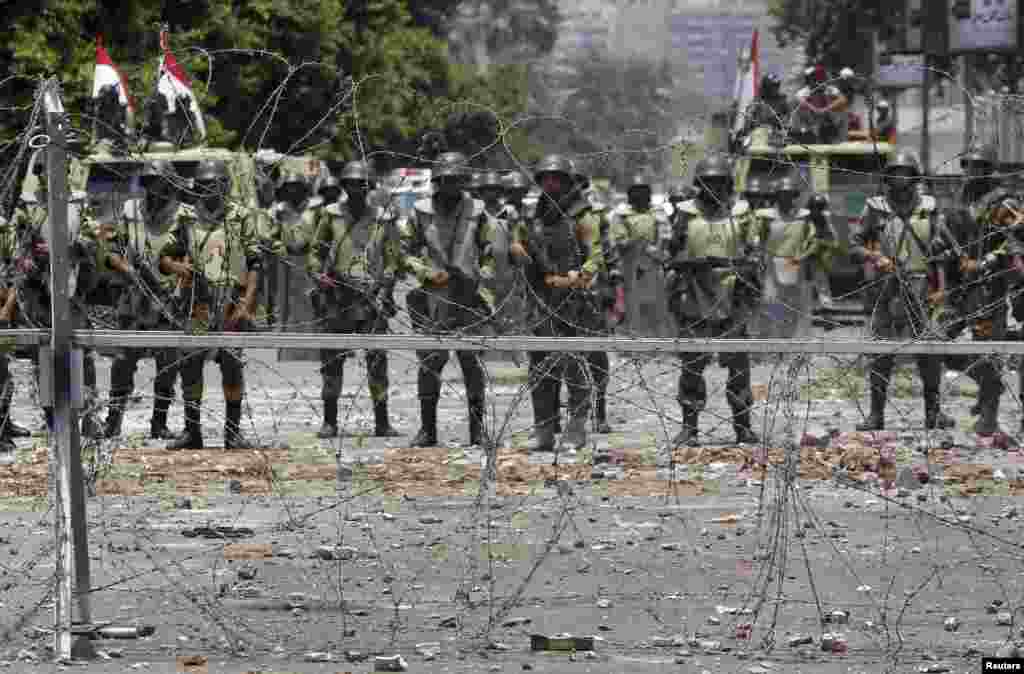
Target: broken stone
(1004, 618)
(993, 606)
(838, 617)
(430, 519)
(712, 620)
(246, 572)
(604, 603)
(800, 640)
(934, 668)
(356, 656)
(394, 663)
(951, 624)
(561, 642)
(318, 656)
(516, 622)
(669, 547)
(451, 621)
(667, 642)
(1008, 651)
(428, 649)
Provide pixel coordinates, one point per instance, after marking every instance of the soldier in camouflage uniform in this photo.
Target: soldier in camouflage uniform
(215, 253)
(797, 247)
(978, 281)
(713, 262)
(147, 303)
(32, 279)
(899, 239)
(8, 428)
(447, 245)
(292, 217)
(354, 258)
(562, 249)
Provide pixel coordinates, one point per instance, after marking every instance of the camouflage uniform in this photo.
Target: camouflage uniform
(8, 428)
(713, 258)
(354, 255)
(907, 229)
(289, 224)
(563, 243)
(220, 240)
(147, 303)
(447, 244)
(978, 278)
(797, 246)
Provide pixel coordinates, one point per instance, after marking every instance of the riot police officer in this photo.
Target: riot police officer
(978, 287)
(798, 246)
(561, 248)
(446, 244)
(214, 251)
(147, 304)
(634, 236)
(899, 239)
(713, 263)
(354, 259)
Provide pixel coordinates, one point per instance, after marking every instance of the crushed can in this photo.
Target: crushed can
(561, 642)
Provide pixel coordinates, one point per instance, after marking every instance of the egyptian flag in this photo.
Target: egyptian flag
(107, 74)
(748, 79)
(173, 82)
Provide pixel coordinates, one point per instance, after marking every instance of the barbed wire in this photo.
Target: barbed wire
(473, 552)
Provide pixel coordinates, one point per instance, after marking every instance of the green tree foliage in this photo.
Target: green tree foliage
(336, 78)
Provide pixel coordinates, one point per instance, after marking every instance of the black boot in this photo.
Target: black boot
(543, 438)
(476, 424)
(158, 423)
(601, 413)
(330, 425)
(115, 414)
(876, 418)
(741, 425)
(687, 437)
(934, 417)
(233, 437)
(576, 432)
(192, 436)
(990, 390)
(381, 423)
(10, 429)
(427, 435)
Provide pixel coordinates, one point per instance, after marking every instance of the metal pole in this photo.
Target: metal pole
(926, 86)
(69, 505)
(965, 92)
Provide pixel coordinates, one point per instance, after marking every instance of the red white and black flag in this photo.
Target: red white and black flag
(174, 83)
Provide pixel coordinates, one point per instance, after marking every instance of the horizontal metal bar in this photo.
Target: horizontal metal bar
(24, 337)
(278, 340)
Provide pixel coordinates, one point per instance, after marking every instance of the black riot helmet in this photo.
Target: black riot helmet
(554, 165)
(160, 180)
(330, 189)
(638, 193)
(713, 176)
(515, 186)
(787, 192)
(211, 184)
(756, 191)
(901, 177)
(450, 175)
(356, 177)
(490, 186)
(292, 187)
